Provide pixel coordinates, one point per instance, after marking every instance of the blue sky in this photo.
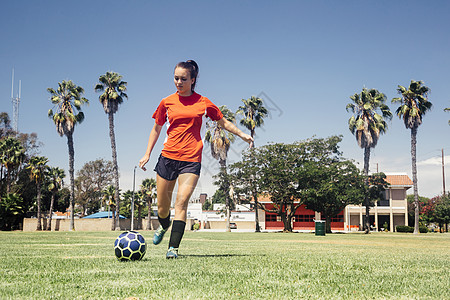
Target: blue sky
(304, 58)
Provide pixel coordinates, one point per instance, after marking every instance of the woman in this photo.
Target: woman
(181, 156)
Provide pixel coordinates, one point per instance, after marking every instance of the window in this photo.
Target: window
(338, 218)
(271, 218)
(304, 218)
(385, 202)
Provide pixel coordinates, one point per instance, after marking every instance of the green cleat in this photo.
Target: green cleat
(159, 234)
(172, 253)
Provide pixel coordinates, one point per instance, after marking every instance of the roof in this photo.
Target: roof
(399, 180)
(102, 214)
(62, 214)
(266, 199)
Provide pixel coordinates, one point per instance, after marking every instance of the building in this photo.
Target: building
(392, 211)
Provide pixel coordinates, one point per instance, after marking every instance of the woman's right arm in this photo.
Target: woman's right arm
(154, 135)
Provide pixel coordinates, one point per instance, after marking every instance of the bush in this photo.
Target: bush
(196, 226)
(423, 229)
(409, 229)
(404, 229)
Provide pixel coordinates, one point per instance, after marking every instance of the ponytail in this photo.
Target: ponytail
(192, 67)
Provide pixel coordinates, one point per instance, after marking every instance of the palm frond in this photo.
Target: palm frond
(370, 112)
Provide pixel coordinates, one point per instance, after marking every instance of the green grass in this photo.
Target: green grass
(80, 265)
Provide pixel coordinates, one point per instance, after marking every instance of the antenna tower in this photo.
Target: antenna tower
(15, 102)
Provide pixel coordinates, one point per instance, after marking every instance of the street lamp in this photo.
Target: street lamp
(132, 200)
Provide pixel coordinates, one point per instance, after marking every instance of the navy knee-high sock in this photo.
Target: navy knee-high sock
(177, 233)
(165, 222)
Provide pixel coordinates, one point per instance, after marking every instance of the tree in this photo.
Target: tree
(109, 198)
(377, 185)
(68, 101)
(333, 187)
(254, 113)
(139, 203)
(291, 174)
(414, 105)
(113, 89)
(367, 123)
(220, 141)
(30, 143)
(12, 156)
(224, 193)
(207, 205)
(148, 190)
(411, 206)
(125, 207)
(84, 196)
(219, 196)
(5, 125)
(38, 167)
(55, 177)
(442, 212)
(23, 190)
(271, 170)
(92, 179)
(12, 209)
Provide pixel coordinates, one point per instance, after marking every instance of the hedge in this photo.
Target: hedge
(422, 229)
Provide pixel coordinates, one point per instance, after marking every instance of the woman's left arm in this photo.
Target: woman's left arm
(227, 125)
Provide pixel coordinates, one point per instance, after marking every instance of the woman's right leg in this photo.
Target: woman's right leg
(164, 190)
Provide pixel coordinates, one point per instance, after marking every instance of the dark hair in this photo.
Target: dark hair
(192, 67)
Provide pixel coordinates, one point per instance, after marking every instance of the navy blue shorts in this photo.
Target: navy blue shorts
(169, 169)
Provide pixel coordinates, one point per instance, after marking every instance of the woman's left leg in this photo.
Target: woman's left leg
(186, 186)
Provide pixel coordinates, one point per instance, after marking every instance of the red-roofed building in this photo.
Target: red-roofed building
(393, 210)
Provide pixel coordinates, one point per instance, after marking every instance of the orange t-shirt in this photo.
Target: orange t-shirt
(185, 119)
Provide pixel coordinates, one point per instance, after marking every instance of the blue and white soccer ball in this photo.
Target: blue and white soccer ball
(130, 245)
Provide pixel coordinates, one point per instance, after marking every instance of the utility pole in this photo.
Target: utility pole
(443, 171)
(15, 102)
(132, 199)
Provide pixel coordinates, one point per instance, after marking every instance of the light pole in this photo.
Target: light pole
(132, 200)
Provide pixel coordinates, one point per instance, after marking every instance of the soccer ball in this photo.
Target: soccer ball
(130, 245)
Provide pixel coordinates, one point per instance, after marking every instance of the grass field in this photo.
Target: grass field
(80, 265)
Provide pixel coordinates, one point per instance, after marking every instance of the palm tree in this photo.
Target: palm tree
(220, 141)
(38, 167)
(254, 113)
(413, 106)
(12, 155)
(139, 202)
(219, 138)
(68, 101)
(109, 197)
(55, 176)
(148, 188)
(367, 124)
(113, 89)
(135, 198)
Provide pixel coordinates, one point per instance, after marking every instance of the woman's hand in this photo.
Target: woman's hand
(143, 161)
(248, 139)
(227, 125)
(154, 135)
